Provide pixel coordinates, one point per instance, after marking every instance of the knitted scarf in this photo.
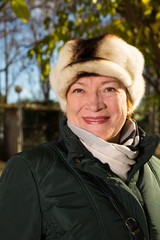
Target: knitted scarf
(120, 157)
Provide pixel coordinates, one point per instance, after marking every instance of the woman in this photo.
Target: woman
(101, 180)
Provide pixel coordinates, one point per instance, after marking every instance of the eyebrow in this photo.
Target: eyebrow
(111, 81)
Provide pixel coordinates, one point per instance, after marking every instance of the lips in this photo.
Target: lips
(96, 120)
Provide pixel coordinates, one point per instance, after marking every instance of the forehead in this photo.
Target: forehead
(100, 80)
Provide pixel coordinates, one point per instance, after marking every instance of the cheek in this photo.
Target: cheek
(75, 103)
(69, 109)
(124, 104)
(120, 105)
(73, 107)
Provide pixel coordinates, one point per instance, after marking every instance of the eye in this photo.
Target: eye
(78, 90)
(110, 89)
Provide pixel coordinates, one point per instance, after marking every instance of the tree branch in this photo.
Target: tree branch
(130, 14)
(2, 6)
(153, 84)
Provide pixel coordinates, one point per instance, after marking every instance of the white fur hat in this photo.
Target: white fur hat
(107, 55)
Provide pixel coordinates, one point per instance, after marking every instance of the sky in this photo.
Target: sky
(23, 72)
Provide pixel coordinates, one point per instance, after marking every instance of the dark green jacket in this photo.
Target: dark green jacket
(48, 193)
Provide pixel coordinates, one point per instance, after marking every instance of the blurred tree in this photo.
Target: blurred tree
(7, 32)
(51, 23)
(137, 21)
(16, 38)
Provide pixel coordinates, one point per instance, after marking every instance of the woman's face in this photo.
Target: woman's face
(98, 104)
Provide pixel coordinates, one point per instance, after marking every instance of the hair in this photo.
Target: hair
(129, 106)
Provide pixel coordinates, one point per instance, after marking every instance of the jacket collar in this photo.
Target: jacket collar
(77, 151)
(78, 156)
(147, 148)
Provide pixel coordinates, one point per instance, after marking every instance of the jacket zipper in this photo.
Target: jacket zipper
(84, 188)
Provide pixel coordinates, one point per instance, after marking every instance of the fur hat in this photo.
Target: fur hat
(106, 55)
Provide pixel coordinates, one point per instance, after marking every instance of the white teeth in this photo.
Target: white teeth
(95, 120)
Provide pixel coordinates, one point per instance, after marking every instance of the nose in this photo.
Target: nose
(95, 103)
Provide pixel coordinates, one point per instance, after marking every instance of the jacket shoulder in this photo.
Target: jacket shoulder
(154, 165)
(35, 160)
(43, 156)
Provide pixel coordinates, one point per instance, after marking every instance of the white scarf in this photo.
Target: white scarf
(120, 157)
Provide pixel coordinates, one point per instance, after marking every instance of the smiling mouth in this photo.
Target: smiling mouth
(96, 120)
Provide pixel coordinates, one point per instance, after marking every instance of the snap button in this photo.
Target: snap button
(77, 160)
(109, 174)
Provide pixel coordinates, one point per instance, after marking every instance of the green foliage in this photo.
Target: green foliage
(43, 51)
(152, 100)
(137, 21)
(20, 8)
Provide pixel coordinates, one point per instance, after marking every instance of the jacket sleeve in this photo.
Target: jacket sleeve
(20, 216)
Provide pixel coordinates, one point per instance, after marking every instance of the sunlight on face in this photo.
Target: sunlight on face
(98, 104)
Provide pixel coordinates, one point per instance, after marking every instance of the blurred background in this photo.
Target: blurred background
(31, 34)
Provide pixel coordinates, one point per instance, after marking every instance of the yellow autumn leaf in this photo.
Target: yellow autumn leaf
(20, 8)
(145, 1)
